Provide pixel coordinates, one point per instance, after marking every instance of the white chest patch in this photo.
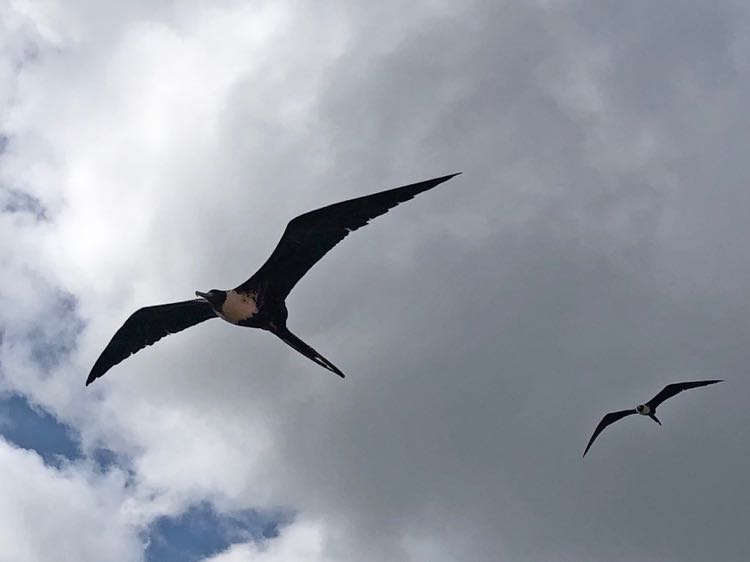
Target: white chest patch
(238, 307)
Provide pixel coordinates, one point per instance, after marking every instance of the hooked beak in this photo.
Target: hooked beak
(201, 295)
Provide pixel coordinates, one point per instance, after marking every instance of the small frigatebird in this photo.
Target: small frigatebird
(647, 409)
(259, 301)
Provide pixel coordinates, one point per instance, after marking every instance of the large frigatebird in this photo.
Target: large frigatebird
(259, 301)
(647, 409)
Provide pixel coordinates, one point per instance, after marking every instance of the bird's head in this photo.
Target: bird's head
(215, 296)
(642, 409)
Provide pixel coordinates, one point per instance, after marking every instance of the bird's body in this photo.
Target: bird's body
(647, 409)
(643, 409)
(239, 307)
(259, 302)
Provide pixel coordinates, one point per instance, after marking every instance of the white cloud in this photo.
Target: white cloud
(61, 514)
(301, 541)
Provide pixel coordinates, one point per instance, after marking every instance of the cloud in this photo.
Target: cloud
(300, 542)
(590, 254)
(70, 513)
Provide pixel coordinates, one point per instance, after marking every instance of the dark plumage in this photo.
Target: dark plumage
(259, 301)
(647, 409)
(148, 325)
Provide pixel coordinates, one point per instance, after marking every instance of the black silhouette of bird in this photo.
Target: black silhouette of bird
(647, 409)
(259, 301)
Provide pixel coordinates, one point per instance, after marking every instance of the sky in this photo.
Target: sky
(592, 252)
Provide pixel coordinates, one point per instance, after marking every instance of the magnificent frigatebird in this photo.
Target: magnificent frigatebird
(259, 301)
(647, 409)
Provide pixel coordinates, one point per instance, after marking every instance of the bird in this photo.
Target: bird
(649, 408)
(259, 302)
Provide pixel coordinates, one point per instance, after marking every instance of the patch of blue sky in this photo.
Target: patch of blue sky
(31, 428)
(195, 534)
(201, 532)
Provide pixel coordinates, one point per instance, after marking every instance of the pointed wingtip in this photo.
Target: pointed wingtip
(586, 450)
(333, 368)
(330, 366)
(442, 179)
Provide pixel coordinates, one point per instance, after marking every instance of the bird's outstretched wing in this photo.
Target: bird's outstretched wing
(608, 419)
(672, 389)
(310, 236)
(147, 326)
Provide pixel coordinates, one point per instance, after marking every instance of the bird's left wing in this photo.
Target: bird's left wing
(672, 389)
(147, 326)
(310, 236)
(608, 419)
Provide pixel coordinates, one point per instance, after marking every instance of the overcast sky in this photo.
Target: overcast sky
(594, 250)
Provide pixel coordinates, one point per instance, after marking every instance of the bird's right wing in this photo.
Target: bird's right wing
(147, 326)
(673, 389)
(310, 236)
(608, 419)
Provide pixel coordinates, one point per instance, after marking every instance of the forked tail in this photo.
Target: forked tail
(293, 341)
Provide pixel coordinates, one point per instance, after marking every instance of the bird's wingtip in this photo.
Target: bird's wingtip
(441, 179)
